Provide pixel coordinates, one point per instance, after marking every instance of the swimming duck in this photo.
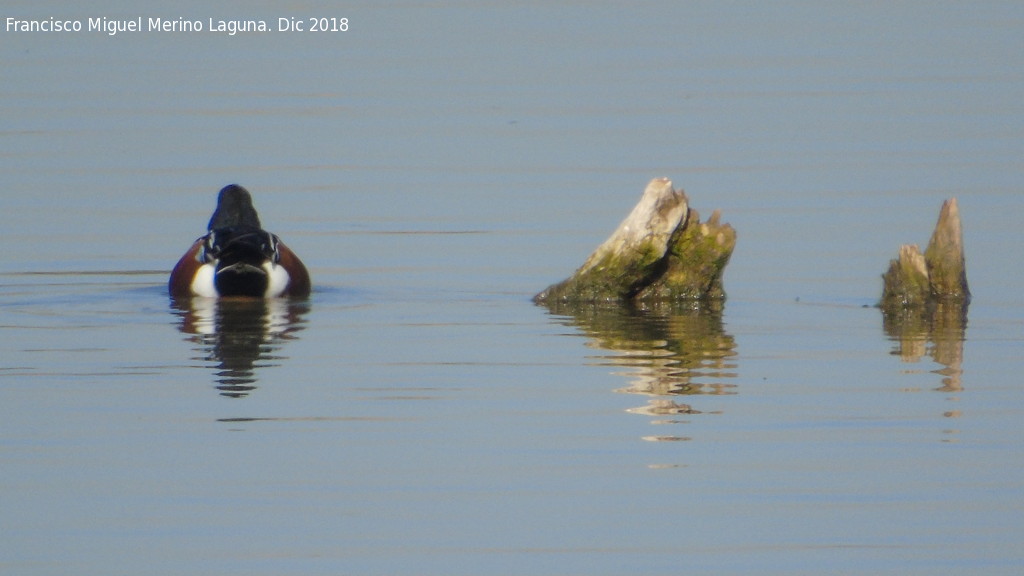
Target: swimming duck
(237, 257)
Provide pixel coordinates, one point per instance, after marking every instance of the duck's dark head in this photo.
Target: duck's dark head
(234, 208)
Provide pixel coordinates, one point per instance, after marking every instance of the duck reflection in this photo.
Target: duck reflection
(672, 351)
(237, 336)
(937, 331)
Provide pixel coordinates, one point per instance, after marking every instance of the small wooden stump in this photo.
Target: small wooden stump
(925, 298)
(660, 252)
(937, 276)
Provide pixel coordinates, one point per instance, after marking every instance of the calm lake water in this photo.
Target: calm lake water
(436, 165)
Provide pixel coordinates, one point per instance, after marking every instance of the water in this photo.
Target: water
(437, 165)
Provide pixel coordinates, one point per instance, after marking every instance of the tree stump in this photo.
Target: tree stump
(937, 276)
(660, 252)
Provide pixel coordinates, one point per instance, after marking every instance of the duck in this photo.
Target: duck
(237, 257)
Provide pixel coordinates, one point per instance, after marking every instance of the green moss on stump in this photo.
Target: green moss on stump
(939, 275)
(696, 261)
(906, 283)
(661, 252)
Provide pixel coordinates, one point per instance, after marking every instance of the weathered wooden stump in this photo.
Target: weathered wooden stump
(938, 276)
(660, 252)
(925, 299)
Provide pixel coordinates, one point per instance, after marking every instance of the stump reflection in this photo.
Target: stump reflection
(936, 330)
(671, 350)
